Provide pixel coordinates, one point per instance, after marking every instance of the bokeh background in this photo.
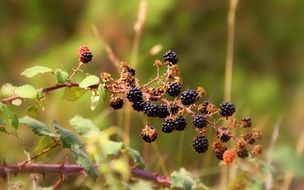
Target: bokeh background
(268, 72)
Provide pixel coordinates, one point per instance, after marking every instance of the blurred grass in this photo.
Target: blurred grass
(268, 60)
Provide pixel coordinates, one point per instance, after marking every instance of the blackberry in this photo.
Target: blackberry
(246, 122)
(243, 153)
(86, 57)
(171, 56)
(138, 105)
(168, 126)
(174, 108)
(148, 134)
(163, 111)
(131, 71)
(189, 96)
(199, 121)
(116, 103)
(200, 144)
(249, 138)
(174, 89)
(223, 137)
(219, 153)
(135, 95)
(180, 123)
(227, 109)
(151, 110)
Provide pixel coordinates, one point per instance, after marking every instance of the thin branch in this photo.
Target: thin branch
(47, 90)
(70, 169)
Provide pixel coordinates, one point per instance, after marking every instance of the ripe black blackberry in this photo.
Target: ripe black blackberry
(135, 95)
(180, 123)
(223, 136)
(163, 111)
(200, 144)
(168, 126)
(219, 153)
(171, 56)
(138, 105)
(148, 134)
(151, 110)
(116, 103)
(199, 121)
(243, 153)
(86, 57)
(189, 97)
(227, 109)
(174, 89)
(174, 108)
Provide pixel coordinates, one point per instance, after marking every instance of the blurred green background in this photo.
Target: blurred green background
(268, 73)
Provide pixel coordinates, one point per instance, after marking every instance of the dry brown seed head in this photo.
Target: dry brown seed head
(257, 134)
(157, 63)
(256, 150)
(105, 76)
(201, 91)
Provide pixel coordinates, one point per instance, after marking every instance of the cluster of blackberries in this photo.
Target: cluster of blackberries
(172, 109)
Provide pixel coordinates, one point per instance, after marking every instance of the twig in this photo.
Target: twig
(47, 90)
(70, 169)
(75, 71)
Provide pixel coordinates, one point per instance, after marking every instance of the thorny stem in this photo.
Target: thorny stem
(70, 169)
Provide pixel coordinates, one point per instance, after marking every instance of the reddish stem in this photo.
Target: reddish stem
(69, 169)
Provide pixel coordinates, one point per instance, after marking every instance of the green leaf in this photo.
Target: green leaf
(30, 72)
(135, 155)
(7, 90)
(68, 139)
(102, 92)
(88, 81)
(61, 76)
(112, 148)
(44, 143)
(82, 159)
(33, 110)
(15, 121)
(37, 127)
(73, 94)
(182, 179)
(82, 125)
(26, 91)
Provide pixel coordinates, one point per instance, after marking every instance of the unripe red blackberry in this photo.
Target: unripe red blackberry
(174, 89)
(226, 109)
(174, 108)
(149, 134)
(200, 144)
(168, 126)
(138, 105)
(163, 111)
(199, 121)
(116, 103)
(243, 153)
(135, 95)
(86, 57)
(189, 97)
(171, 56)
(150, 109)
(228, 156)
(181, 123)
